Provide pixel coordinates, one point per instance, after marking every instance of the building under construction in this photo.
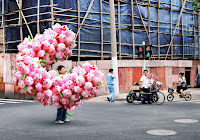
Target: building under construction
(170, 26)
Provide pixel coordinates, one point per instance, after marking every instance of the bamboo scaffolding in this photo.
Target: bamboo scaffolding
(79, 39)
(90, 6)
(101, 29)
(158, 29)
(143, 22)
(38, 17)
(71, 19)
(182, 32)
(132, 19)
(171, 32)
(20, 21)
(199, 31)
(3, 26)
(25, 20)
(119, 26)
(177, 24)
(52, 14)
(194, 35)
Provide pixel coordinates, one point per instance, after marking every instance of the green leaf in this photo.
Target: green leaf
(34, 95)
(29, 38)
(44, 61)
(70, 100)
(24, 75)
(69, 114)
(46, 53)
(60, 95)
(56, 59)
(25, 87)
(15, 68)
(57, 73)
(74, 42)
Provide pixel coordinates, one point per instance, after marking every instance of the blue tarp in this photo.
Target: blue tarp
(93, 34)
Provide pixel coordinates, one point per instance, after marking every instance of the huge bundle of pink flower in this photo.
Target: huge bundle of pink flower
(32, 76)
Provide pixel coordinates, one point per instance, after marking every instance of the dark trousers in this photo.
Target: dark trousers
(147, 90)
(61, 114)
(179, 89)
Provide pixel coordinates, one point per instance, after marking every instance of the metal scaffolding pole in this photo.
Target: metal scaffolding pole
(114, 46)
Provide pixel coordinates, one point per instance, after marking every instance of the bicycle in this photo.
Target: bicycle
(183, 94)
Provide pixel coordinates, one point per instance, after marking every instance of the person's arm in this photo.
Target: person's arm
(140, 83)
(197, 77)
(113, 76)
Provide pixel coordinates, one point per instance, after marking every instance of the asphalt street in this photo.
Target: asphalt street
(99, 121)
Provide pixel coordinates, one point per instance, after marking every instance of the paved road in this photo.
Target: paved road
(99, 121)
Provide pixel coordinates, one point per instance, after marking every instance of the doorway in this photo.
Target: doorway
(187, 75)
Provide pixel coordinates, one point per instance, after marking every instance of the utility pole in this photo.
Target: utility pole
(143, 45)
(114, 46)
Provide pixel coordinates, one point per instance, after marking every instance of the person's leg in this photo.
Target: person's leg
(179, 89)
(64, 114)
(148, 99)
(112, 93)
(59, 114)
(148, 96)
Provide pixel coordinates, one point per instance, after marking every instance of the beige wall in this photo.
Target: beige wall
(170, 67)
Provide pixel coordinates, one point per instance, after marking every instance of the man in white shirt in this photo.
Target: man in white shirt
(145, 85)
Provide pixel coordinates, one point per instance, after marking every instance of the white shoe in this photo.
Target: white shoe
(59, 122)
(66, 120)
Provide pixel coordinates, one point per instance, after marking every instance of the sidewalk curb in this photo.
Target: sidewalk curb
(119, 99)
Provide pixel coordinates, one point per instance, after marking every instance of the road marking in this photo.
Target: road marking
(10, 102)
(196, 102)
(2, 103)
(161, 132)
(186, 121)
(192, 101)
(16, 100)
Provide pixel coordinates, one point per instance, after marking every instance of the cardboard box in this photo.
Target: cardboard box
(135, 88)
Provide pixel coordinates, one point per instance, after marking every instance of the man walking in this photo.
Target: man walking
(110, 82)
(198, 78)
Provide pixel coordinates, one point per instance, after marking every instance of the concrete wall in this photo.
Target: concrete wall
(130, 71)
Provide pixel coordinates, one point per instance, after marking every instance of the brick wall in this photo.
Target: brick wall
(130, 71)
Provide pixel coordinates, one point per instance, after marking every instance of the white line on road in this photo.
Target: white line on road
(10, 102)
(17, 100)
(161, 132)
(186, 121)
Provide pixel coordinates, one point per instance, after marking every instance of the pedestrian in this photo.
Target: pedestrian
(181, 82)
(110, 82)
(145, 85)
(198, 78)
(61, 112)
